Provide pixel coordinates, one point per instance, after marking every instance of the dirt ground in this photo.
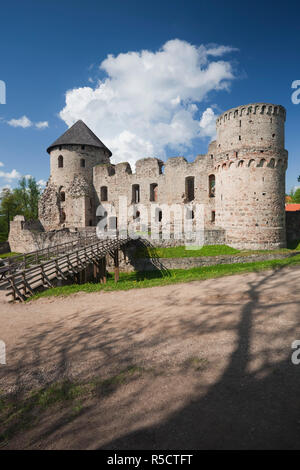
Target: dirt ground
(222, 349)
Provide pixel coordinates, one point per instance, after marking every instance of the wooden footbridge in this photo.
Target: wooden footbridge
(21, 275)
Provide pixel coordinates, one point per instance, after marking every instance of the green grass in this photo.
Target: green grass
(8, 255)
(184, 252)
(157, 278)
(208, 250)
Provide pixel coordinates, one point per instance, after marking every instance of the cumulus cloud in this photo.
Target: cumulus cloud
(42, 124)
(21, 122)
(9, 176)
(24, 122)
(149, 102)
(1, 164)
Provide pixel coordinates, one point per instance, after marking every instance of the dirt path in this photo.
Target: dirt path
(221, 347)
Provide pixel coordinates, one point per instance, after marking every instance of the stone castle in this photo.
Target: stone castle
(240, 181)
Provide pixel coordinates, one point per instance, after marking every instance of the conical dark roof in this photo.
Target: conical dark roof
(79, 134)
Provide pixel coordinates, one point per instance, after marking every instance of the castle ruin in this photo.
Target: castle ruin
(240, 181)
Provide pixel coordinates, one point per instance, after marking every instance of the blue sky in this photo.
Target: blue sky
(50, 47)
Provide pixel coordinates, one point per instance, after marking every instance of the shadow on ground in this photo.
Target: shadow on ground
(252, 402)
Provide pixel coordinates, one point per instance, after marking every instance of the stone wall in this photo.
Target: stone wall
(154, 264)
(26, 236)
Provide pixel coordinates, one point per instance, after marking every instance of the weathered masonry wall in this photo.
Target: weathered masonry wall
(250, 166)
(25, 236)
(154, 184)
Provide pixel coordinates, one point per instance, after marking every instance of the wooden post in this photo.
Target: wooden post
(102, 270)
(116, 263)
(96, 270)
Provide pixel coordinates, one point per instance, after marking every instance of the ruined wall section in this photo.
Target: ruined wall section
(170, 179)
(250, 176)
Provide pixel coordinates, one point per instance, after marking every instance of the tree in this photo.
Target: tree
(296, 196)
(27, 196)
(7, 210)
(22, 200)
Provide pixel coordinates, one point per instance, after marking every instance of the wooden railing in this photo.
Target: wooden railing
(22, 281)
(24, 261)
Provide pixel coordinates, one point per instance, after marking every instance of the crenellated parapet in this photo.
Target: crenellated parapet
(252, 110)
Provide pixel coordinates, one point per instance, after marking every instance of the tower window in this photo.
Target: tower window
(153, 192)
(60, 161)
(211, 185)
(135, 193)
(240, 138)
(82, 163)
(82, 147)
(190, 188)
(62, 196)
(103, 193)
(213, 216)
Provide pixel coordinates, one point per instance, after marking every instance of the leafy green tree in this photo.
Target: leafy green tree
(27, 196)
(8, 209)
(23, 200)
(295, 195)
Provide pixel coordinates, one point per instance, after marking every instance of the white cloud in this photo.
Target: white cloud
(1, 164)
(42, 124)
(150, 100)
(25, 122)
(21, 122)
(14, 174)
(42, 183)
(208, 123)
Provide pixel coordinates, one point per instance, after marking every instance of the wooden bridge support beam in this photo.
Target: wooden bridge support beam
(116, 264)
(102, 270)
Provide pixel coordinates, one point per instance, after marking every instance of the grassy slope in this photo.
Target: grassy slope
(173, 276)
(209, 250)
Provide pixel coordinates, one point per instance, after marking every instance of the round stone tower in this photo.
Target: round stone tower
(250, 166)
(69, 198)
(76, 152)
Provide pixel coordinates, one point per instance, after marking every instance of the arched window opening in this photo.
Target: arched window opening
(272, 163)
(213, 216)
(103, 193)
(190, 188)
(82, 163)
(158, 215)
(137, 215)
(262, 162)
(241, 163)
(211, 185)
(135, 193)
(153, 192)
(60, 161)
